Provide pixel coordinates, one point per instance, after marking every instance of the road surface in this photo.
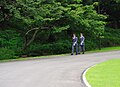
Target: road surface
(64, 71)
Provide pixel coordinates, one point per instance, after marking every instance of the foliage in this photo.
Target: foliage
(50, 48)
(6, 53)
(111, 39)
(56, 21)
(10, 39)
(112, 9)
(90, 45)
(55, 14)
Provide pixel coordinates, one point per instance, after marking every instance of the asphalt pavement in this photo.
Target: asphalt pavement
(62, 71)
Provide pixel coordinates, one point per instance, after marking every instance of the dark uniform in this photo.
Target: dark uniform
(82, 44)
(74, 44)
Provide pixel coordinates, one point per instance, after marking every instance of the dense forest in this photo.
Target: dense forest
(45, 27)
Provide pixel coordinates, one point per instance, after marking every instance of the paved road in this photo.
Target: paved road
(54, 72)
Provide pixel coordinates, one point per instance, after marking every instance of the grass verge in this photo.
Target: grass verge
(50, 56)
(106, 74)
(106, 49)
(32, 58)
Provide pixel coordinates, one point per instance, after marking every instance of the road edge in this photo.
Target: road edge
(84, 77)
(44, 57)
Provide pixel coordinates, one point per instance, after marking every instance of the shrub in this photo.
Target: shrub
(6, 53)
(111, 37)
(90, 45)
(9, 38)
(63, 46)
(50, 48)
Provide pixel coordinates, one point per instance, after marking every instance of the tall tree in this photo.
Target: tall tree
(112, 9)
(53, 15)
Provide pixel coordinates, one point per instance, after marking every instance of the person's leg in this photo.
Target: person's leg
(82, 49)
(72, 49)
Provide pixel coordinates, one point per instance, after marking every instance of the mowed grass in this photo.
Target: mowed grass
(51, 56)
(106, 74)
(105, 49)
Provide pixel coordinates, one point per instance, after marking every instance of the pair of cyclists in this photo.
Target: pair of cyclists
(75, 44)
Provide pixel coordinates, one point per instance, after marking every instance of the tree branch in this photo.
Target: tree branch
(27, 43)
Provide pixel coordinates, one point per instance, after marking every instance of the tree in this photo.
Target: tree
(112, 9)
(54, 16)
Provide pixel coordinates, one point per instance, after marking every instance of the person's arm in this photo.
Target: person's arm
(76, 39)
(73, 41)
(82, 40)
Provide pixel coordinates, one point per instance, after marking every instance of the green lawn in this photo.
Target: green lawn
(106, 74)
(106, 49)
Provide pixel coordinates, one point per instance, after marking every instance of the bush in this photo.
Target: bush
(6, 53)
(111, 37)
(56, 48)
(90, 45)
(50, 48)
(9, 38)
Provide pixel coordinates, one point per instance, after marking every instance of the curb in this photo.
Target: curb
(84, 78)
